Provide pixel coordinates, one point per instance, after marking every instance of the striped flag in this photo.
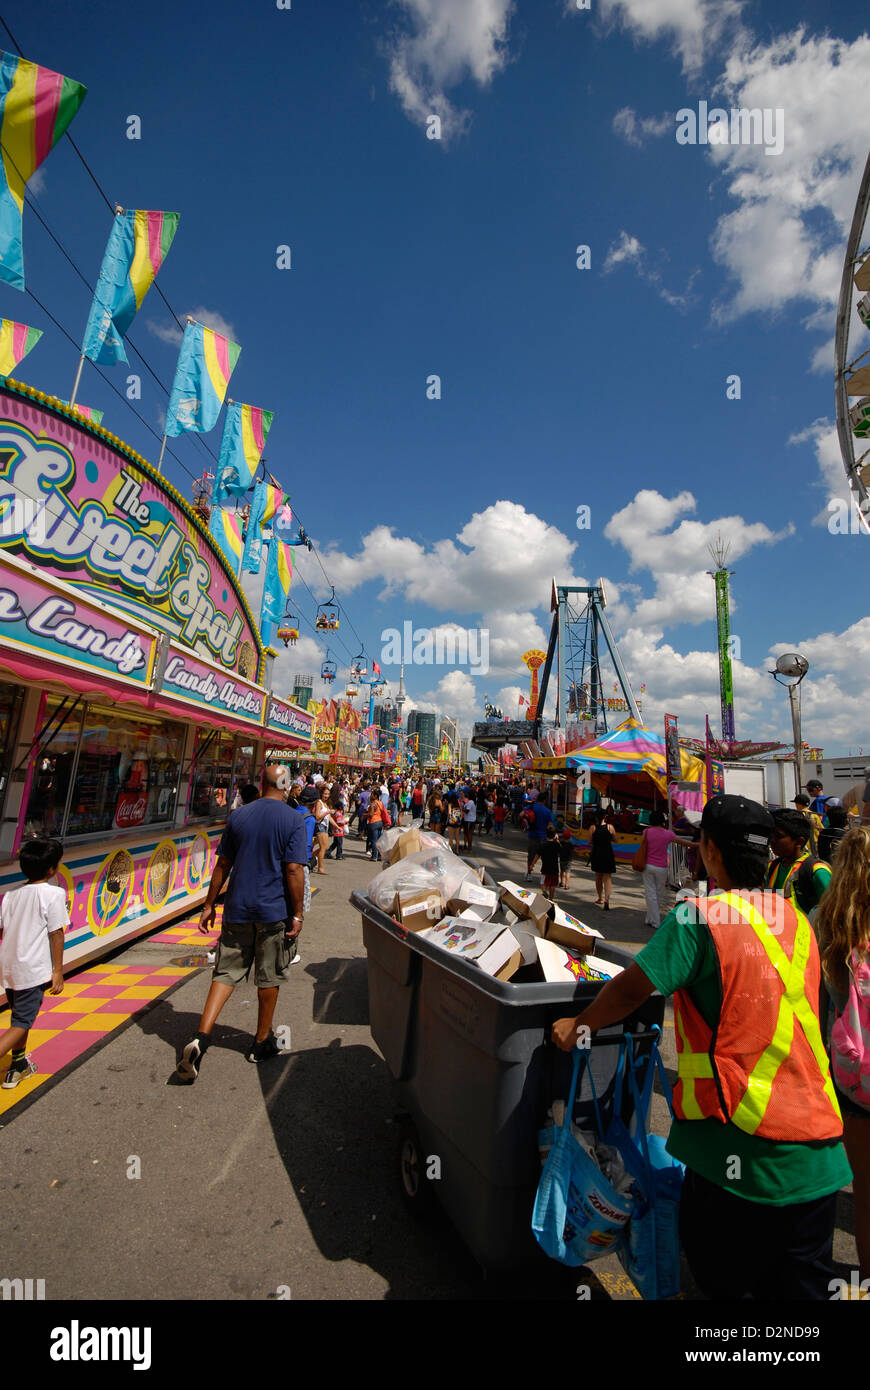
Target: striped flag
(246, 430)
(95, 416)
(138, 245)
(254, 532)
(205, 365)
(282, 522)
(274, 498)
(224, 527)
(36, 106)
(279, 573)
(16, 340)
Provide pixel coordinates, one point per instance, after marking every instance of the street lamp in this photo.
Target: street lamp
(789, 671)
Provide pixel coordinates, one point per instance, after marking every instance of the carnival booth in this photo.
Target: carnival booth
(134, 695)
(627, 774)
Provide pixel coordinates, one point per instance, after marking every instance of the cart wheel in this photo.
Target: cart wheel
(416, 1188)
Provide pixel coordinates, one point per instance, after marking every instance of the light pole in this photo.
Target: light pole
(789, 671)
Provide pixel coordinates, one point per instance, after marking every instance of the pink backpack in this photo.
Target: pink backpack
(850, 1036)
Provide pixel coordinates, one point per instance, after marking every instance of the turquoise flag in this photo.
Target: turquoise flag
(254, 533)
(276, 586)
(205, 365)
(138, 245)
(246, 429)
(224, 527)
(36, 106)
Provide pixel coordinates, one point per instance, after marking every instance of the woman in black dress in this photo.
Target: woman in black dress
(601, 859)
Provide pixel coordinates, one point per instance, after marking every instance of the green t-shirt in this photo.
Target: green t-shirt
(681, 956)
(809, 883)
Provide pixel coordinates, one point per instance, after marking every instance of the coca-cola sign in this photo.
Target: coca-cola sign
(130, 810)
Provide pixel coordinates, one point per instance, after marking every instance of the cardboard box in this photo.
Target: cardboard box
(561, 965)
(569, 931)
(474, 913)
(527, 903)
(527, 935)
(473, 894)
(495, 949)
(416, 911)
(409, 842)
(510, 967)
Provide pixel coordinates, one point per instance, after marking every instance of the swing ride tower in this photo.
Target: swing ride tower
(578, 626)
(719, 554)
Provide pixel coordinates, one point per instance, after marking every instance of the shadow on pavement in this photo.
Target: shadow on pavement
(344, 1171)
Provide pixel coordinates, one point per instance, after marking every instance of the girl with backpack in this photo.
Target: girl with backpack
(843, 927)
(454, 821)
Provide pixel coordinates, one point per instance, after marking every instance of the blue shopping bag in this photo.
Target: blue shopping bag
(650, 1253)
(578, 1215)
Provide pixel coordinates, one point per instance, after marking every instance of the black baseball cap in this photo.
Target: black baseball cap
(738, 819)
(793, 823)
(801, 800)
(308, 795)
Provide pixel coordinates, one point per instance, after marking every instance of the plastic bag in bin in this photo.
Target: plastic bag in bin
(429, 838)
(421, 872)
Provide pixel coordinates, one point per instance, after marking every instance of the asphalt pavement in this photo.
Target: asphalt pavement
(267, 1181)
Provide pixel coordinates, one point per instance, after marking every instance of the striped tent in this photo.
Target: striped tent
(631, 748)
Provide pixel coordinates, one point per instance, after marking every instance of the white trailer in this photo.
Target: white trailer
(837, 776)
(746, 779)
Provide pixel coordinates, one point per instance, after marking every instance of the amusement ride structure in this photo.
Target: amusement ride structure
(850, 378)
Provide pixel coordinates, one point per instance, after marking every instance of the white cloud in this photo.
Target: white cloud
(822, 434)
(636, 130)
(452, 41)
(659, 535)
(494, 563)
(627, 249)
(679, 556)
(783, 242)
(172, 333)
(694, 27)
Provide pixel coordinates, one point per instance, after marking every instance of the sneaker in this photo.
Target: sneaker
(18, 1073)
(262, 1051)
(191, 1059)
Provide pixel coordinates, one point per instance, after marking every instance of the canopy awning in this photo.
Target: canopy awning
(630, 749)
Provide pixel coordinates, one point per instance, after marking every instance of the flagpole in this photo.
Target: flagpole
(162, 451)
(263, 599)
(72, 399)
(242, 556)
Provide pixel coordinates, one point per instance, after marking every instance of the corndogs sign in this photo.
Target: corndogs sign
(74, 504)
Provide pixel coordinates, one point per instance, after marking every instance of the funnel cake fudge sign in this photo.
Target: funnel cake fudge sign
(77, 508)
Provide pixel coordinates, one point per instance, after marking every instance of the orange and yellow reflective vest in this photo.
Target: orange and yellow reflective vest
(763, 1065)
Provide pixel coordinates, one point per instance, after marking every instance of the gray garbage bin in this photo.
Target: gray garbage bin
(476, 1072)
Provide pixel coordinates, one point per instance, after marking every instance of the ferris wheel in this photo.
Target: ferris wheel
(852, 372)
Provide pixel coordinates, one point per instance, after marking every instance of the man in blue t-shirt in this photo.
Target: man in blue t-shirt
(538, 816)
(263, 851)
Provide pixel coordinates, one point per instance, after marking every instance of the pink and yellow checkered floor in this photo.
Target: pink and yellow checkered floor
(94, 1002)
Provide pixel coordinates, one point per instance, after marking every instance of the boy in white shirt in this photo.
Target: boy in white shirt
(32, 919)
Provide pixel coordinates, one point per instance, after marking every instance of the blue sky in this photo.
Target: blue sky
(559, 387)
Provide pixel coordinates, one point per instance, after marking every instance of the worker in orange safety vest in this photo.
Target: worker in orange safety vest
(756, 1120)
